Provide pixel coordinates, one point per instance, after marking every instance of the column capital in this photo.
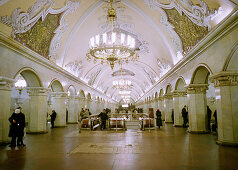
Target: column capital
(59, 94)
(197, 88)
(179, 93)
(224, 79)
(6, 83)
(73, 97)
(37, 91)
(168, 96)
(161, 98)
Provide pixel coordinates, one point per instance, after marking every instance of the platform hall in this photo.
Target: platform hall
(118, 84)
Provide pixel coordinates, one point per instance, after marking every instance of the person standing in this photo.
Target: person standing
(17, 121)
(104, 117)
(172, 115)
(209, 113)
(185, 116)
(52, 118)
(158, 118)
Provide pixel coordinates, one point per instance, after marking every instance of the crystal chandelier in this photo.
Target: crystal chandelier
(114, 46)
(122, 84)
(124, 92)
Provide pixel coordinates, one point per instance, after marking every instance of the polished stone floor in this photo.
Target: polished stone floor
(166, 148)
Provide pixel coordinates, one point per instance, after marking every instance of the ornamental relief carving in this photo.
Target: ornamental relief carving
(22, 22)
(224, 79)
(197, 88)
(199, 15)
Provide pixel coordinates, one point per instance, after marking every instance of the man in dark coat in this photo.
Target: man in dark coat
(53, 116)
(185, 116)
(17, 121)
(209, 113)
(158, 118)
(104, 117)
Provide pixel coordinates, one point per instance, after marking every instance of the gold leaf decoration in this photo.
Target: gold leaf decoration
(189, 33)
(39, 37)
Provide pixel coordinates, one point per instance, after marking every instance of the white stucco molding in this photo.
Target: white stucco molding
(22, 21)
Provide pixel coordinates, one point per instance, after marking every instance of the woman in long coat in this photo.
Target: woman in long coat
(158, 118)
(17, 121)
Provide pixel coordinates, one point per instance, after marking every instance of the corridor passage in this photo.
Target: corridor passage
(166, 148)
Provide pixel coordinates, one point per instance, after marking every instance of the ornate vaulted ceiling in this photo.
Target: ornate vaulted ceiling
(60, 31)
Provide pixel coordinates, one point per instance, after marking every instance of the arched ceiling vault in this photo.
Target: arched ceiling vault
(60, 31)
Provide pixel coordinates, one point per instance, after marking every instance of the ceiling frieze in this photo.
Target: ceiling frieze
(21, 22)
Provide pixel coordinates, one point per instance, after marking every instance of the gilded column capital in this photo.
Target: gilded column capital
(73, 97)
(179, 93)
(6, 83)
(37, 91)
(197, 88)
(59, 94)
(82, 98)
(161, 98)
(168, 96)
(225, 79)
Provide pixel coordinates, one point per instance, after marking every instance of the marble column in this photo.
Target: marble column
(197, 108)
(5, 103)
(180, 99)
(81, 103)
(161, 107)
(37, 109)
(226, 84)
(168, 103)
(89, 103)
(73, 109)
(59, 105)
(98, 107)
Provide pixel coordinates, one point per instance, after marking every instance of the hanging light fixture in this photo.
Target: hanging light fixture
(122, 84)
(114, 46)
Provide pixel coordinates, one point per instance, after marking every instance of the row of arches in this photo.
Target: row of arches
(204, 88)
(39, 99)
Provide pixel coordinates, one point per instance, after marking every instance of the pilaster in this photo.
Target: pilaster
(226, 84)
(179, 99)
(37, 109)
(5, 103)
(59, 105)
(168, 106)
(197, 108)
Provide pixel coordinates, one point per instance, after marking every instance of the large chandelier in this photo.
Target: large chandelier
(114, 46)
(122, 84)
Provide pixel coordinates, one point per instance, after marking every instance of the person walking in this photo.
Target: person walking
(185, 116)
(17, 121)
(52, 118)
(158, 118)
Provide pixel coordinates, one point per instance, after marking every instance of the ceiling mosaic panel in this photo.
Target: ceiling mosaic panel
(38, 37)
(189, 32)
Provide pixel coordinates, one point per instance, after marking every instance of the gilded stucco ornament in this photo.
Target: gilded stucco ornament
(21, 21)
(198, 14)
